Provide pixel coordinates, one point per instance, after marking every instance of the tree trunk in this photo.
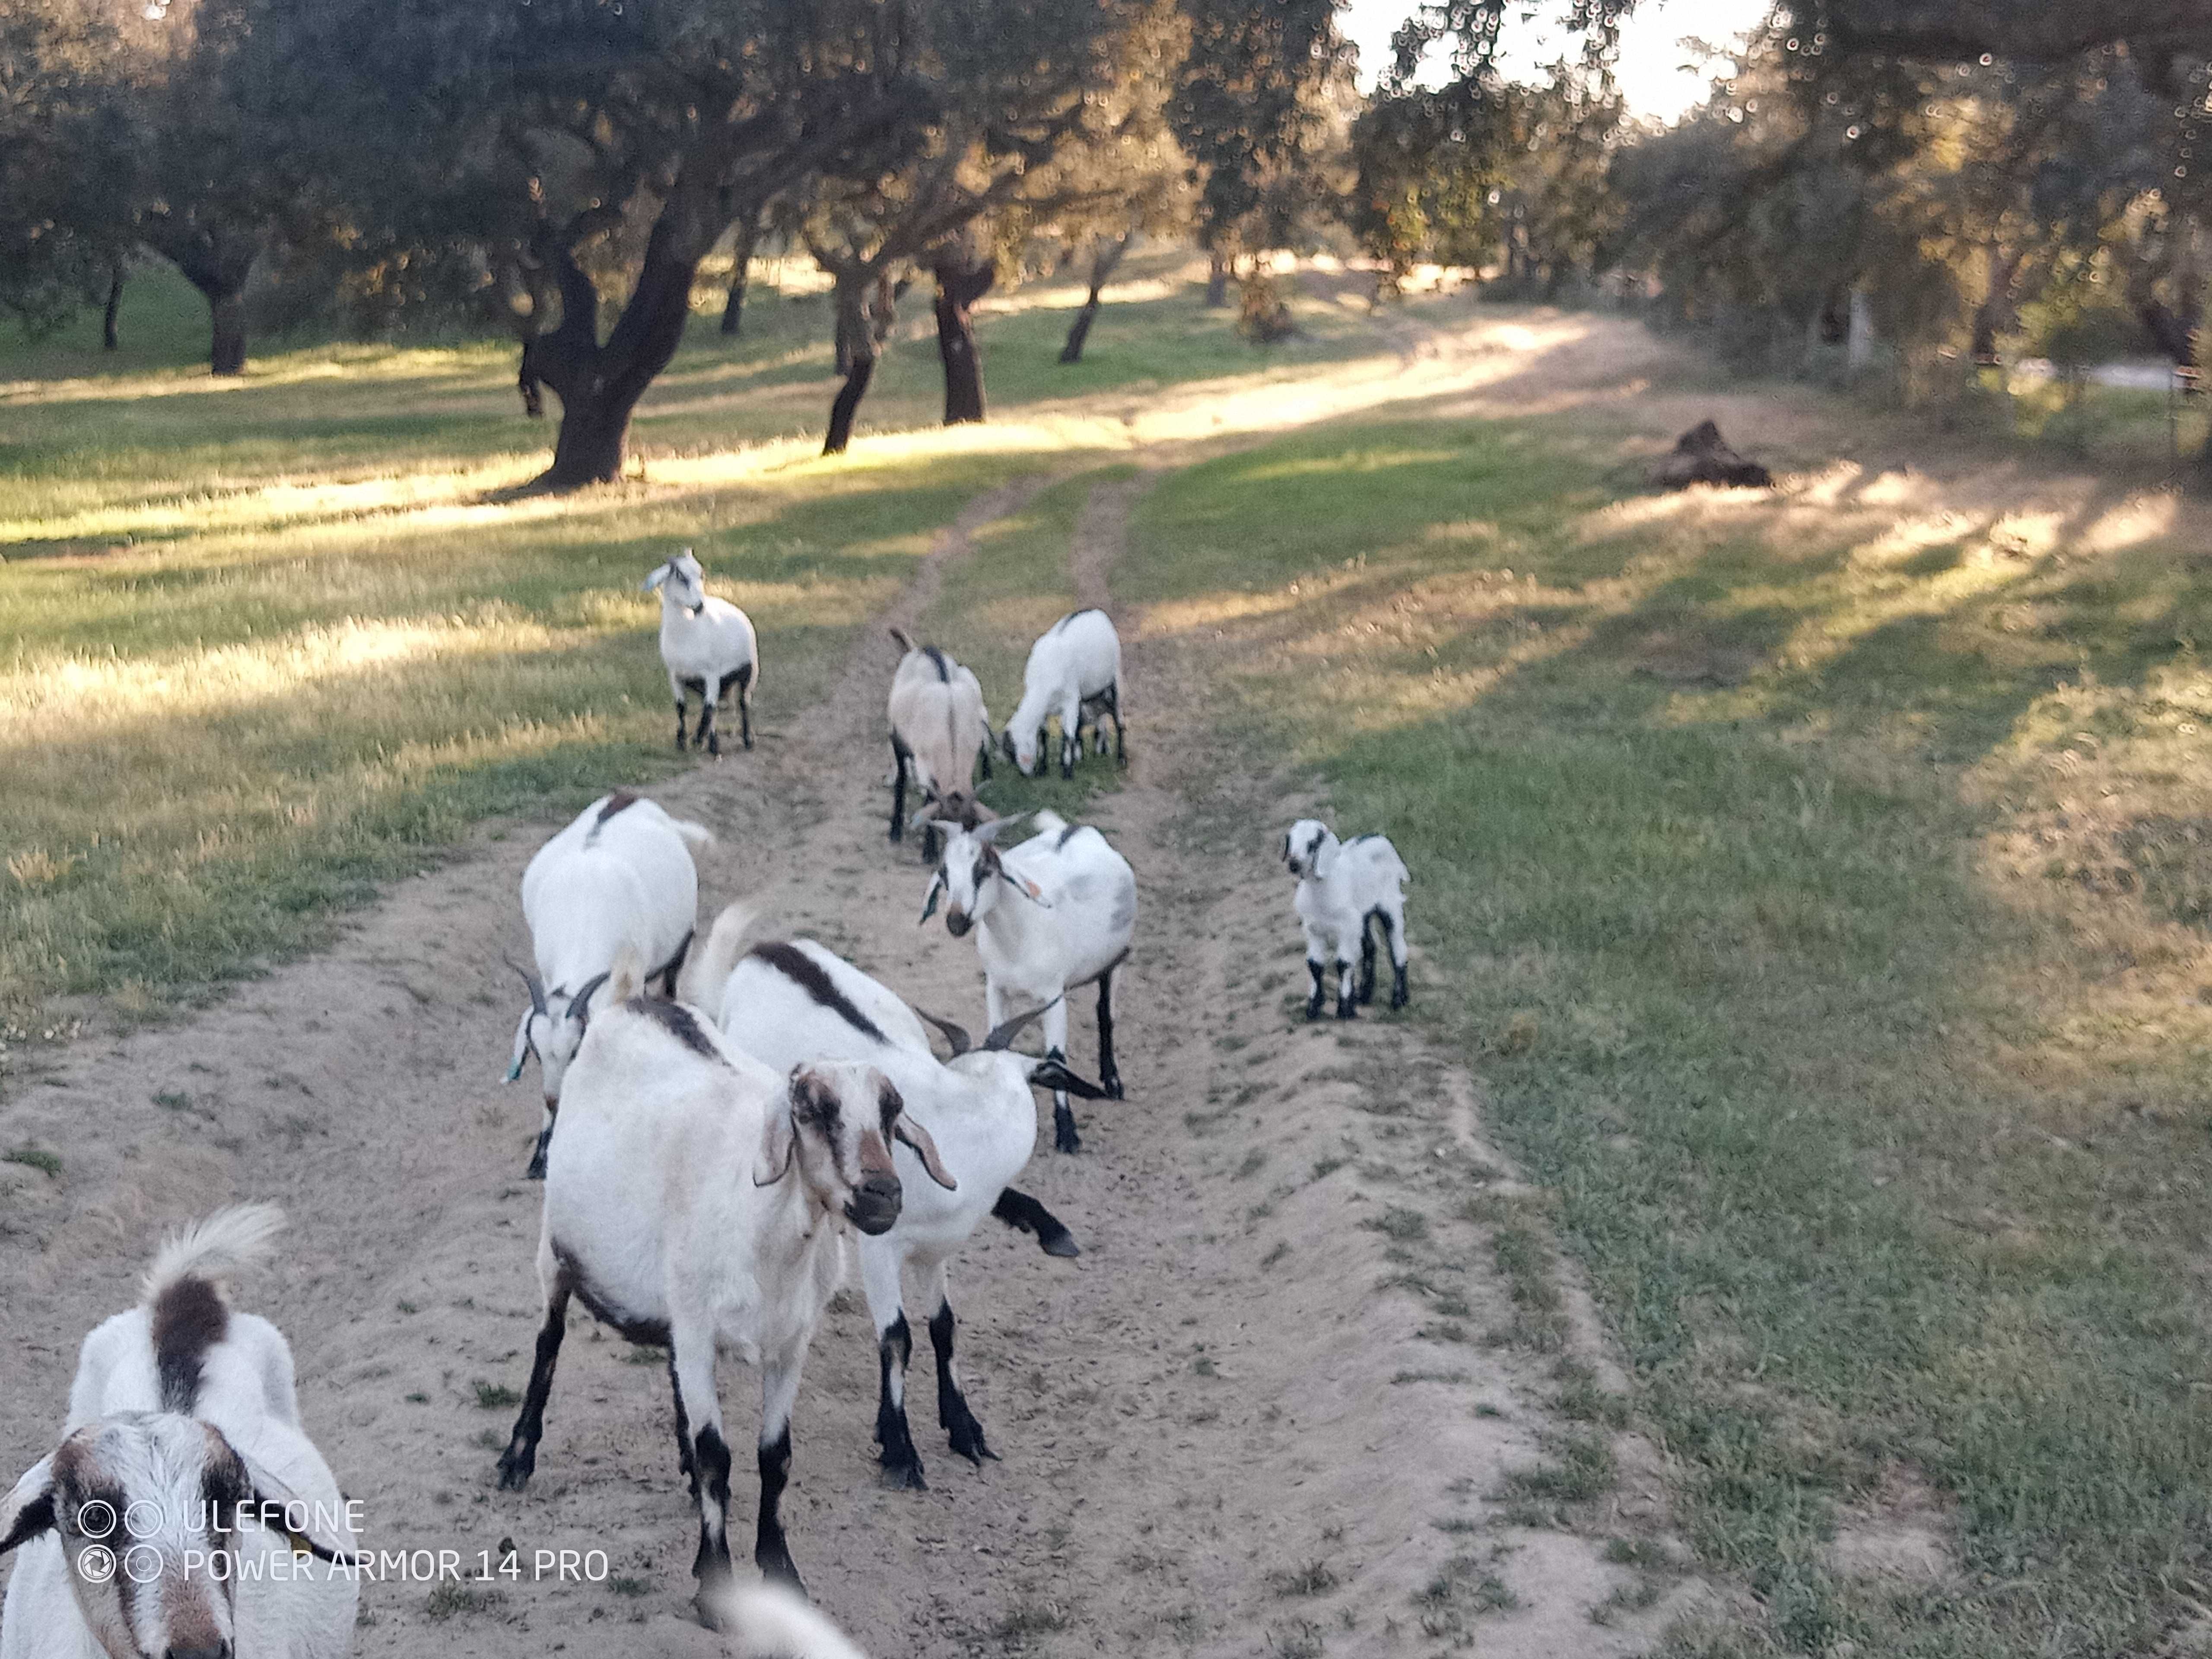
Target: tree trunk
(1992, 315)
(856, 352)
(1101, 273)
(227, 354)
(600, 386)
(960, 284)
(109, 339)
(741, 259)
(1216, 282)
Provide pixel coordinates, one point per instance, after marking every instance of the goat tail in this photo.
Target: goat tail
(765, 1618)
(1048, 822)
(708, 969)
(215, 1246)
(899, 636)
(698, 834)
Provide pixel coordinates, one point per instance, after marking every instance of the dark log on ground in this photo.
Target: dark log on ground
(1700, 456)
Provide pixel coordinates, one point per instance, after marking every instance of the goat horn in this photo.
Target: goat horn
(988, 831)
(537, 986)
(956, 1034)
(580, 1005)
(1003, 1034)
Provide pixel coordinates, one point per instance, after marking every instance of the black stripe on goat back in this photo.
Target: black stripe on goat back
(621, 800)
(944, 672)
(1068, 834)
(189, 1318)
(1091, 611)
(802, 970)
(676, 1020)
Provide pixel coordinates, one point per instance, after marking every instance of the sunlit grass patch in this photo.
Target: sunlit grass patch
(1819, 882)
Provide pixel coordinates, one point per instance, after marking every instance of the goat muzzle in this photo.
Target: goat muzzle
(874, 1204)
(956, 923)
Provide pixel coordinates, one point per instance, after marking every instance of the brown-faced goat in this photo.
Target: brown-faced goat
(787, 1003)
(185, 1514)
(695, 1199)
(940, 726)
(621, 874)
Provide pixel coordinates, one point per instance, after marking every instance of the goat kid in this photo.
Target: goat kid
(708, 646)
(178, 1515)
(1345, 889)
(1056, 912)
(696, 1199)
(940, 726)
(788, 1003)
(620, 874)
(1074, 668)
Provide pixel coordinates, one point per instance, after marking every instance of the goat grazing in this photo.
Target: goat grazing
(174, 1519)
(708, 646)
(1055, 913)
(695, 1199)
(939, 727)
(790, 1003)
(1075, 666)
(621, 874)
(1344, 889)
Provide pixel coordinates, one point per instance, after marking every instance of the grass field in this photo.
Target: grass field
(1818, 882)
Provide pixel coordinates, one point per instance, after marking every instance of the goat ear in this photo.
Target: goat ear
(522, 1045)
(28, 1509)
(925, 1149)
(310, 1527)
(936, 892)
(1052, 1074)
(989, 832)
(654, 580)
(779, 1143)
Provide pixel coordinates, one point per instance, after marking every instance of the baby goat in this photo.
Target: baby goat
(1343, 889)
(790, 1003)
(175, 1519)
(621, 874)
(696, 1199)
(1075, 666)
(939, 727)
(1054, 914)
(708, 646)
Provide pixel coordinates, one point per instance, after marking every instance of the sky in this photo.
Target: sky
(1650, 69)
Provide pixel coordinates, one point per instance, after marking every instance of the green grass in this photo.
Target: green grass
(1818, 889)
(271, 643)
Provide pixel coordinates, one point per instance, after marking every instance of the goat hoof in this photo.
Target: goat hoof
(1066, 1140)
(905, 1476)
(967, 1437)
(1112, 1085)
(1348, 1010)
(1313, 1009)
(775, 1564)
(536, 1170)
(515, 1472)
(1061, 1244)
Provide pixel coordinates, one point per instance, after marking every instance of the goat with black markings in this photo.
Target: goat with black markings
(620, 874)
(178, 1516)
(697, 1200)
(1345, 889)
(939, 727)
(1056, 912)
(1074, 669)
(788, 1003)
(708, 646)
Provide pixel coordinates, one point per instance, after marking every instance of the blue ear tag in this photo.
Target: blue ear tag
(513, 1073)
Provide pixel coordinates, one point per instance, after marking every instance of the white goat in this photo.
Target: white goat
(1055, 913)
(695, 1199)
(1343, 888)
(175, 1519)
(621, 874)
(939, 727)
(786, 1004)
(708, 646)
(1074, 667)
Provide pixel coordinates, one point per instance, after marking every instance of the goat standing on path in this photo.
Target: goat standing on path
(697, 1200)
(940, 726)
(1345, 889)
(1055, 913)
(708, 646)
(1074, 668)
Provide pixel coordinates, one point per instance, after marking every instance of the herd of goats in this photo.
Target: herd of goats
(717, 1123)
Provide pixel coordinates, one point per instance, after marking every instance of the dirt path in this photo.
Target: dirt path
(1222, 1432)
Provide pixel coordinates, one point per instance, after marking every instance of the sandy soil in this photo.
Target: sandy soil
(1221, 1433)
